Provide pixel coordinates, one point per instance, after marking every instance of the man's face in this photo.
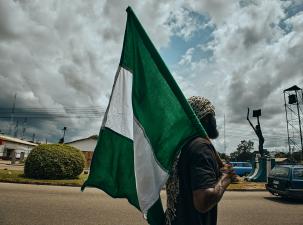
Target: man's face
(210, 125)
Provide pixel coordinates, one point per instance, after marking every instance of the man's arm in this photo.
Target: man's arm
(207, 189)
(206, 199)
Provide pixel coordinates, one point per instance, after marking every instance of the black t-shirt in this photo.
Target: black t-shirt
(197, 168)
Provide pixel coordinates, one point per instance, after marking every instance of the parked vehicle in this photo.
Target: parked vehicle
(286, 181)
(241, 168)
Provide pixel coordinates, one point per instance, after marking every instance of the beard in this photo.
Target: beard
(212, 132)
(211, 128)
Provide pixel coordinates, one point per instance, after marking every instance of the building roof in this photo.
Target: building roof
(94, 137)
(293, 88)
(16, 140)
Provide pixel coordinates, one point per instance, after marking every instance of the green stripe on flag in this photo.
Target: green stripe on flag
(158, 103)
(147, 106)
(112, 168)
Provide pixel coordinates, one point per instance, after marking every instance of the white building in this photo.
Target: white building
(85, 145)
(11, 145)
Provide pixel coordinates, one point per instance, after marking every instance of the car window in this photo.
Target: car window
(298, 173)
(280, 171)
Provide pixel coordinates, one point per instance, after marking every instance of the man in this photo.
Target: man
(198, 178)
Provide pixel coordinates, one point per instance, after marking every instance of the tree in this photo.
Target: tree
(296, 156)
(54, 161)
(243, 152)
(224, 157)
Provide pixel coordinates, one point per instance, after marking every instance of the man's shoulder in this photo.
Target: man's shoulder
(198, 142)
(198, 145)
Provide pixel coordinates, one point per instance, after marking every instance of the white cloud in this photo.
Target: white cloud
(253, 61)
(218, 10)
(183, 24)
(187, 57)
(57, 54)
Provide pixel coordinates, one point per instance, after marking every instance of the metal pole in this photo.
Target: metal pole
(300, 126)
(287, 125)
(224, 136)
(11, 132)
(24, 127)
(64, 129)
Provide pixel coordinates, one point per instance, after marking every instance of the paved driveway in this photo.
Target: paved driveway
(52, 205)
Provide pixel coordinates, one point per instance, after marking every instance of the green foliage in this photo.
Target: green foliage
(54, 161)
(17, 176)
(243, 152)
(296, 156)
(224, 157)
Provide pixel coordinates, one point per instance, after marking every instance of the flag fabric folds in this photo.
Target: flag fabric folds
(146, 123)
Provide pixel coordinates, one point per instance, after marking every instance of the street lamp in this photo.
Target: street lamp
(61, 141)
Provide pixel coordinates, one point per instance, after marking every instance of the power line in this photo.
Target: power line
(65, 112)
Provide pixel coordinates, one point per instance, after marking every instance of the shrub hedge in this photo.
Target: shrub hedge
(54, 161)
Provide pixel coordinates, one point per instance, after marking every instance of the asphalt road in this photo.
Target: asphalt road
(50, 205)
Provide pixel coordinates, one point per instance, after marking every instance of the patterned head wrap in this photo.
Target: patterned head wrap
(201, 106)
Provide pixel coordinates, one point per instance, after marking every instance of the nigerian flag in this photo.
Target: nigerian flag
(146, 123)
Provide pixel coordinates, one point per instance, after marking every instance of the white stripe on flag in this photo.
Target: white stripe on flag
(120, 111)
(150, 177)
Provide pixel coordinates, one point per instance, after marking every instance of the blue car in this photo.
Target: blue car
(286, 181)
(241, 168)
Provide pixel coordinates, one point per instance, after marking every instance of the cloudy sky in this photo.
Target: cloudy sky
(59, 58)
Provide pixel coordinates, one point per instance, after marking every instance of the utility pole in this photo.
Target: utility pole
(224, 136)
(10, 132)
(23, 127)
(61, 141)
(16, 129)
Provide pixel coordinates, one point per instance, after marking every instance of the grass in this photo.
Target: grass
(245, 185)
(15, 176)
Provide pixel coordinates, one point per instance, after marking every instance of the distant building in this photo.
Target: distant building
(14, 147)
(87, 146)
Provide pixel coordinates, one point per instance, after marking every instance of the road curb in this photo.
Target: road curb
(74, 185)
(248, 190)
(38, 183)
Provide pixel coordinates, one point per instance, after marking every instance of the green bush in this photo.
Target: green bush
(54, 161)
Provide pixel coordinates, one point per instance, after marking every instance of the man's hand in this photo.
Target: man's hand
(229, 173)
